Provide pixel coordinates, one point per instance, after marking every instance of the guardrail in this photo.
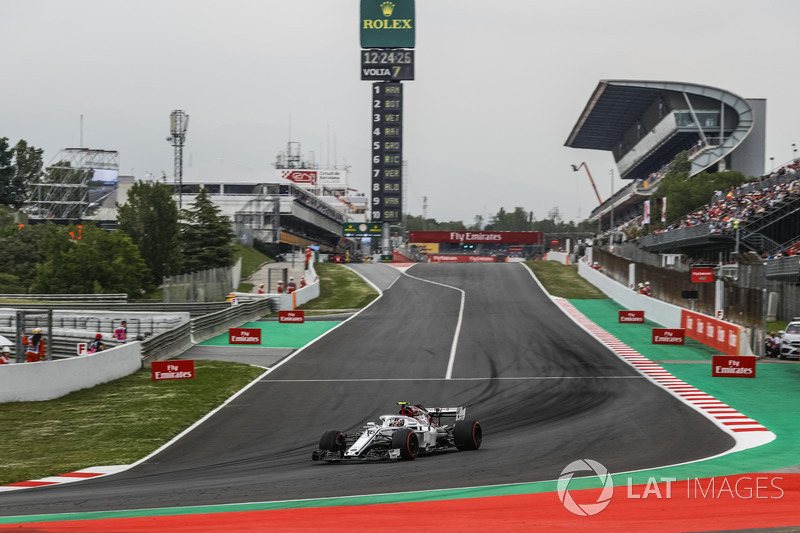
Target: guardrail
(121, 297)
(176, 341)
(675, 235)
(194, 309)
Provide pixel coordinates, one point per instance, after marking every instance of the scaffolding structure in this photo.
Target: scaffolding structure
(63, 191)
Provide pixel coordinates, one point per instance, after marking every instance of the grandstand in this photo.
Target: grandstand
(645, 124)
(752, 230)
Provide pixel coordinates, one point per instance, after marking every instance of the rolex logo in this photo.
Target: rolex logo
(387, 8)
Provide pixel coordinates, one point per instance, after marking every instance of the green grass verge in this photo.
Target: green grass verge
(251, 259)
(116, 423)
(340, 288)
(564, 281)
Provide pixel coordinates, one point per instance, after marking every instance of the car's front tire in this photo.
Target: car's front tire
(331, 441)
(408, 442)
(468, 435)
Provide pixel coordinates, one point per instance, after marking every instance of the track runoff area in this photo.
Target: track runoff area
(632, 465)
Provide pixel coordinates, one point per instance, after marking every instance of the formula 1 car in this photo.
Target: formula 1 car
(415, 430)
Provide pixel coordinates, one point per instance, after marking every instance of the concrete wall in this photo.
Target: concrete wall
(301, 296)
(561, 257)
(667, 315)
(47, 380)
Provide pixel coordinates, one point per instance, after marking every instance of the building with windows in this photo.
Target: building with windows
(272, 209)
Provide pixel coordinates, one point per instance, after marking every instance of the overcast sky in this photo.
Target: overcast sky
(499, 85)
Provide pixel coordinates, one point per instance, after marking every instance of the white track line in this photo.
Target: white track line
(454, 344)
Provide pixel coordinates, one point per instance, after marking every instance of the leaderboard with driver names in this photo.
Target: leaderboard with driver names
(387, 151)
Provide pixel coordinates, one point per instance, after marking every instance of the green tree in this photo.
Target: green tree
(518, 220)
(206, 236)
(98, 262)
(418, 223)
(19, 167)
(22, 250)
(150, 218)
(6, 170)
(11, 284)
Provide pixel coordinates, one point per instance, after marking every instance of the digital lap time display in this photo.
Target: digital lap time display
(390, 56)
(389, 64)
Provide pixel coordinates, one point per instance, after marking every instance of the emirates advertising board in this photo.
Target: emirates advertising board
(733, 366)
(244, 336)
(668, 336)
(477, 237)
(167, 370)
(439, 258)
(717, 334)
(627, 316)
(291, 317)
(702, 274)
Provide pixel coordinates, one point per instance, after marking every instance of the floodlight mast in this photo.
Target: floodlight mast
(178, 122)
(584, 165)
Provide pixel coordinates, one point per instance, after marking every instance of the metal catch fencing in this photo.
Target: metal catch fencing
(210, 285)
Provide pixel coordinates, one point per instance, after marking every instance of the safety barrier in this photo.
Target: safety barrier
(117, 297)
(663, 313)
(301, 296)
(47, 380)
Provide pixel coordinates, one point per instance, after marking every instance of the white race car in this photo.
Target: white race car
(413, 431)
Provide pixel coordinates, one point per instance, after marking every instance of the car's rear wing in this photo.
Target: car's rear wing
(458, 412)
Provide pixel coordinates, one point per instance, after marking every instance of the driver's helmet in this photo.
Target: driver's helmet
(415, 412)
(396, 422)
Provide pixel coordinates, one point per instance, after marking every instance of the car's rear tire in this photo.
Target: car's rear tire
(331, 441)
(467, 435)
(408, 442)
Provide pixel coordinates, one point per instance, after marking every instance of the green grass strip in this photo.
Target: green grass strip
(563, 281)
(116, 423)
(340, 288)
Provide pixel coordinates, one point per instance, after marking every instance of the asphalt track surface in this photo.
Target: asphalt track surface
(545, 392)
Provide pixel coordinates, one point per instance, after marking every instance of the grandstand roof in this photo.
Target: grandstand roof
(609, 114)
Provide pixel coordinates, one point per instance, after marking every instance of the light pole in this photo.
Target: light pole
(178, 122)
(611, 199)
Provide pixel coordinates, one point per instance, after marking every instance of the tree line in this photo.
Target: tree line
(154, 239)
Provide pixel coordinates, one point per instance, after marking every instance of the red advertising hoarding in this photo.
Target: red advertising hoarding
(631, 317)
(702, 274)
(733, 366)
(668, 336)
(244, 336)
(439, 258)
(291, 317)
(717, 334)
(163, 370)
(477, 237)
